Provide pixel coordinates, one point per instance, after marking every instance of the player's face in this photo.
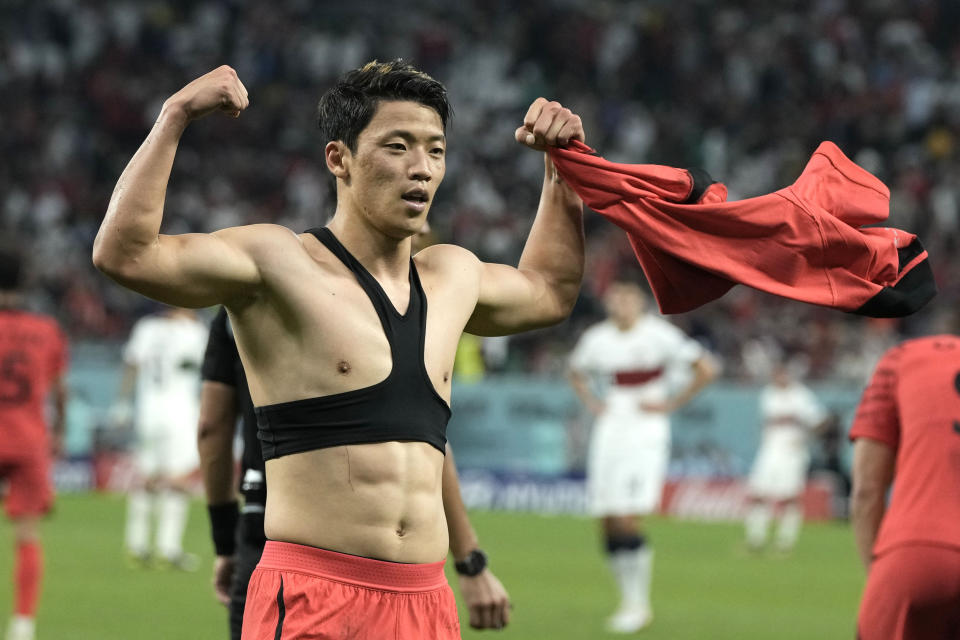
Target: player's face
(624, 303)
(399, 163)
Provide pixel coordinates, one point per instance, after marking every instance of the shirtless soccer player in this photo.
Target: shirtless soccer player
(348, 342)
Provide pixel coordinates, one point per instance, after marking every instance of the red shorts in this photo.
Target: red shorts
(312, 594)
(912, 593)
(29, 489)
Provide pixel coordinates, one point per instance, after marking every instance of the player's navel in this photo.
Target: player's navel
(343, 367)
(446, 376)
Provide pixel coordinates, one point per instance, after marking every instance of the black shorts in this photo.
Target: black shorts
(250, 543)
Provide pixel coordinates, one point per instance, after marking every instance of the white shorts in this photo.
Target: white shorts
(627, 464)
(167, 450)
(779, 472)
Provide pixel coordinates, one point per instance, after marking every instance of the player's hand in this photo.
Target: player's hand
(486, 599)
(665, 406)
(223, 568)
(596, 407)
(219, 90)
(549, 124)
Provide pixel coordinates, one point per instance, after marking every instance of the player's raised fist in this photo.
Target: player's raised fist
(219, 90)
(549, 124)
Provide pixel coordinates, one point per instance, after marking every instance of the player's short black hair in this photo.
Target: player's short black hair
(11, 267)
(349, 105)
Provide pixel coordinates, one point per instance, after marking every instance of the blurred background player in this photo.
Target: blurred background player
(790, 413)
(162, 361)
(639, 354)
(907, 429)
(33, 362)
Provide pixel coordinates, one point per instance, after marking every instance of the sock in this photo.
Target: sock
(21, 628)
(756, 523)
(137, 536)
(631, 561)
(28, 573)
(790, 522)
(173, 522)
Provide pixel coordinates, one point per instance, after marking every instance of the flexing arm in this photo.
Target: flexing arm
(487, 600)
(543, 288)
(873, 465)
(190, 270)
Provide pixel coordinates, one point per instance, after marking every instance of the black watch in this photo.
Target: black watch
(473, 564)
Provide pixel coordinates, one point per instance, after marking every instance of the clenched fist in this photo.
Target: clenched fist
(219, 90)
(549, 124)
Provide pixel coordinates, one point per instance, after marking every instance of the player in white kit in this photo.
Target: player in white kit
(649, 368)
(163, 358)
(790, 413)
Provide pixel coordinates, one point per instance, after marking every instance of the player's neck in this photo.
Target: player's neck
(383, 256)
(10, 300)
(625, 323)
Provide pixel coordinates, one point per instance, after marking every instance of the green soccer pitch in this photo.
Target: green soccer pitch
(705, 585)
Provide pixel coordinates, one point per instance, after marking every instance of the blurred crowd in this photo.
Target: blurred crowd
(745, 89)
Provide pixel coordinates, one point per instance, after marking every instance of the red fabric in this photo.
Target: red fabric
(633, 378)
(28, 573)
(802, 242)
(33, 353)
(330, 595)
(912, 594)
(912, 404)
(29, 485)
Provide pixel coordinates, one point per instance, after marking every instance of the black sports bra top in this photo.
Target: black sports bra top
(404, 406)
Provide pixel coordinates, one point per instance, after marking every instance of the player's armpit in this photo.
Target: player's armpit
(195, 269)
(513, 300)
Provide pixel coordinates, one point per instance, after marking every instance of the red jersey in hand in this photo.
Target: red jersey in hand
(33, 353)
(803, 242)
(912, 404)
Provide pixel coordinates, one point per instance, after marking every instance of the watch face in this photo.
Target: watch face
(473, 564)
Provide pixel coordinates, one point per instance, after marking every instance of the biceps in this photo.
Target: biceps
(194, 270)
(511, 300)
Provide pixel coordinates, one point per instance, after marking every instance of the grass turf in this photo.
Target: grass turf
(705, 586)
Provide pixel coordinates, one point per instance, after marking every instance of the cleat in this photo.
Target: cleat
(629, 620)
(182, 562)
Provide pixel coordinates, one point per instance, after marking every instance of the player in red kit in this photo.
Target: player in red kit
(907, 431)
(33, 360)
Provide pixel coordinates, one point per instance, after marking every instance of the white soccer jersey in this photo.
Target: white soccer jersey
(789, 414)
(167, 352)
(640, 364)
(630, 448)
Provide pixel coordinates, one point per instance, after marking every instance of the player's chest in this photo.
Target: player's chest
(630, 352)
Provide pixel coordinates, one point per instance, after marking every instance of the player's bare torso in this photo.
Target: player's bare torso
(312, 331)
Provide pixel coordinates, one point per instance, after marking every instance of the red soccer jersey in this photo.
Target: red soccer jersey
(33, 353)
(913, 404)
(806, 241)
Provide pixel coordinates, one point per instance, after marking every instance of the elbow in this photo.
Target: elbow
(210, 431)
(107, 260)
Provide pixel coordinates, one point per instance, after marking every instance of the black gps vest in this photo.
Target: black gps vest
(404, 406)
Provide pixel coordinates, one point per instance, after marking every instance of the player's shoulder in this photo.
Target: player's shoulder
(445, 256)
(448, 263)
(661, 326)
(40, 322)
